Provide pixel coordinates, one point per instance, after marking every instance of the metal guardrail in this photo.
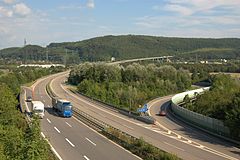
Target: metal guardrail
(89, 120)
(22, 101)
(145, 119)
(82, 116)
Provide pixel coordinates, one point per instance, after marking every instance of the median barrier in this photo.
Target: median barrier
(145, 119)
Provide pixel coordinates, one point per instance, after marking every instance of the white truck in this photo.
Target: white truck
(38, 108)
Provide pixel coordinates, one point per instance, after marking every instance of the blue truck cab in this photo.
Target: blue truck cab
(62, 106)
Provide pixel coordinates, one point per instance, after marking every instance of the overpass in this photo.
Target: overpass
(142, 59)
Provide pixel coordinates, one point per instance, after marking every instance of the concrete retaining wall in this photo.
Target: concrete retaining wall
(209, 124)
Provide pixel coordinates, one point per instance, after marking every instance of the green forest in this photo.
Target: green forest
(18, 140)
(221, 102)
(129, 86)
(127, 47)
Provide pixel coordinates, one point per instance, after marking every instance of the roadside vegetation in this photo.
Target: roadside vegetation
(18, 140)
(221, 102)
(130, 86)
(138, 146)
(127, 47)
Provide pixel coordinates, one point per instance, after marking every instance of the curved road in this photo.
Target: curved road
(157, 135)
(70, 138)
(171, 124)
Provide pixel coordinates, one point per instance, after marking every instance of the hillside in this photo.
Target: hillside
(129, 46)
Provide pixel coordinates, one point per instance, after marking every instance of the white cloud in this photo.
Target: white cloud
(5, 12)
(178, 8)
(90, 4)
(71, 6)
(9, 1)
(189, 26)
(189, 7)
(21, 9)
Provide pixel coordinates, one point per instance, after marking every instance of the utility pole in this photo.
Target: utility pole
(25, 42)
(46, 54)
(65, 57)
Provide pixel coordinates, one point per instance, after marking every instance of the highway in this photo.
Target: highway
(172, 124)
(197, 145)
(70, 138)
(140, 59)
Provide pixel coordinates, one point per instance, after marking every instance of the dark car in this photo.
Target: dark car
(162, 113)
(29, 99)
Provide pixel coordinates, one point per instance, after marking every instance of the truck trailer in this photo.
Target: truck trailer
(38, 108)
(62, 106)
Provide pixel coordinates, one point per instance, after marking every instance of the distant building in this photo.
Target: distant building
(41, 65)
(204, 62)
(113, 59)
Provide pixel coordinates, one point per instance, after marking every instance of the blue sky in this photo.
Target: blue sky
(45, 21)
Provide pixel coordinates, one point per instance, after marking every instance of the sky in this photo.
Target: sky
(44, 21)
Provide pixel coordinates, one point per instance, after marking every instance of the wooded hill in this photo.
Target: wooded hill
(127, 47)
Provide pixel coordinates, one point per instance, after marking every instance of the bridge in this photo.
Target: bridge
(142, 59)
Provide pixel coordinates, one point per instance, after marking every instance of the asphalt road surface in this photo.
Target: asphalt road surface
(163, 135)
(70, 138)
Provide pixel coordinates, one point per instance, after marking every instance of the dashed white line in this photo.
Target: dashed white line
(90, 141)
(54, 151)
(49, 121)
(57, 129)
(68, 124)
(86, 157)
(236, 148)
(174, 146)
(128, 127)
(89, 103)
(70, 142)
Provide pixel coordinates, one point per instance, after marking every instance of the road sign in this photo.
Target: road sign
(142, 110)
(145, 106)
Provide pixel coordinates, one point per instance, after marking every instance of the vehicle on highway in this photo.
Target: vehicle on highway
(62, 106)
(162, 113)
(38, 108)
(29, 99)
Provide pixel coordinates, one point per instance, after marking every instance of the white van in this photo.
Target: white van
(38, 108)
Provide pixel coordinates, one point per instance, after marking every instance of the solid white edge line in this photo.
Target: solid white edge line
(43, 135)
(90, 141)
(89, 103)
(86, 157)
(57, 129)
(53, 149)
(70, 142)
(49, 121)
(108, 139)
(205, 148)
(174, 146)
(68, 124)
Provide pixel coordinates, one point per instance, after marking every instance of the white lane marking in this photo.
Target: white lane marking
(107, 138)
(128, 126)
(86, 157)
(90, 141)
(174, 146)
(54, 151)
(43, 135)
(49, 121)
(236, 148)
(57, 129)
(70, 142)
(68, 124)
(89, 103)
